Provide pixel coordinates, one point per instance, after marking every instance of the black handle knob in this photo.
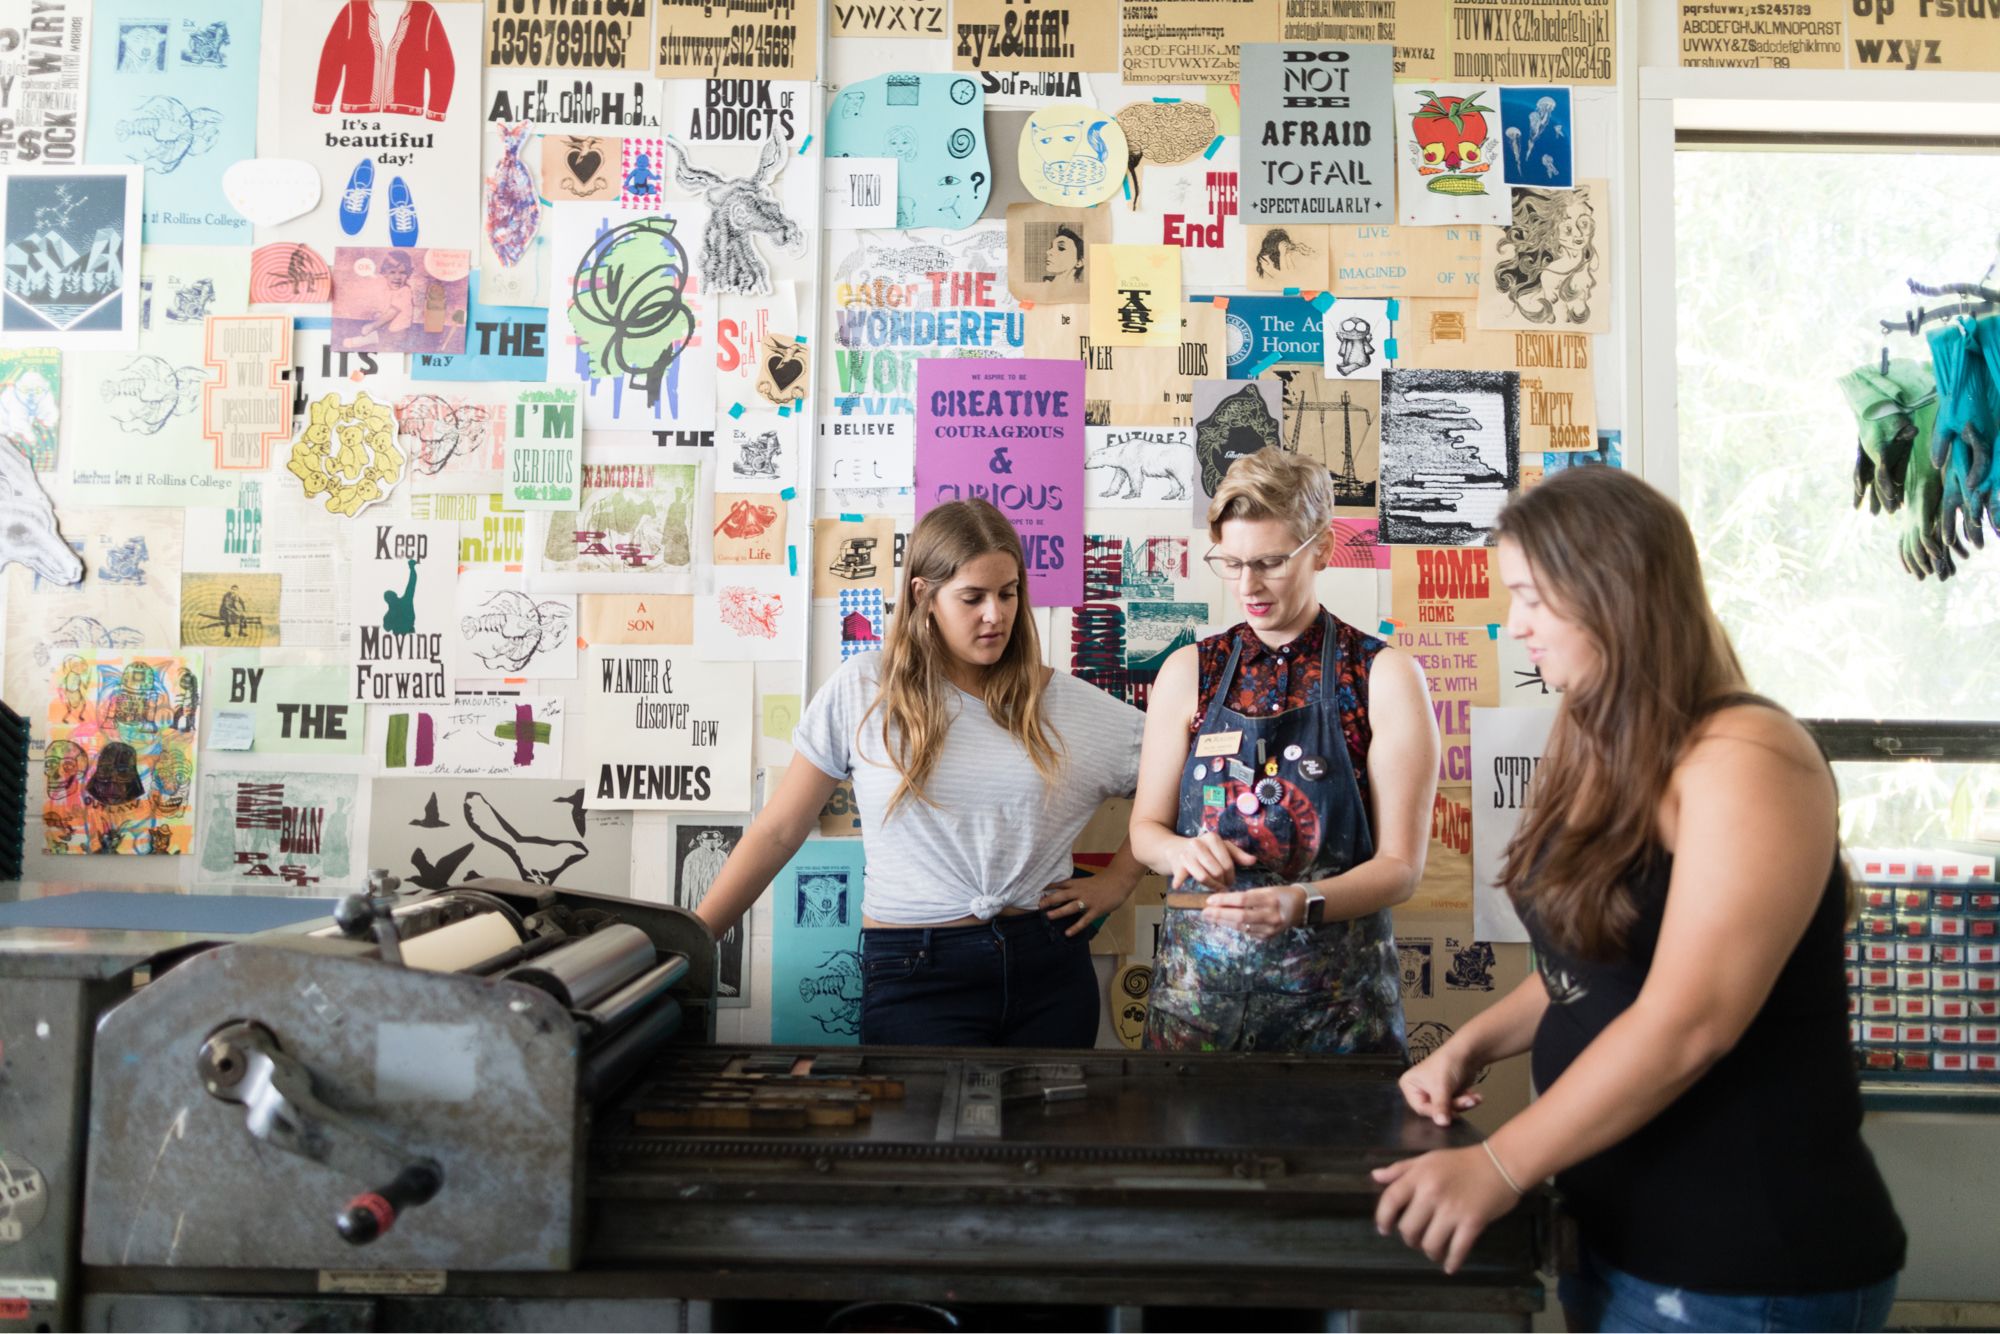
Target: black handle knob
(372, 1213)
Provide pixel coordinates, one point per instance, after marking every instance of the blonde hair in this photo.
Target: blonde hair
(915, 690)
(1274, 484)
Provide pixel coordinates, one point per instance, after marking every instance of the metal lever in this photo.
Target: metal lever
(242, 1063)
(358, 915)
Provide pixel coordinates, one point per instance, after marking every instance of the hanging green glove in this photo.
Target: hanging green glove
(1883, 401)
(1924, 546)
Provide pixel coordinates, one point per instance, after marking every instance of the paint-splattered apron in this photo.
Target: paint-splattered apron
(1283, 787)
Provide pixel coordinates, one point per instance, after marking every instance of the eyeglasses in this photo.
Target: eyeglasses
(1268, 567)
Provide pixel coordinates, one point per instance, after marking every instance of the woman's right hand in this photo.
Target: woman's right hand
(1207, 860)
(1437, 1086)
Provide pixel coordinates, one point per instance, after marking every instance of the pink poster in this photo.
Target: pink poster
(1010, 432)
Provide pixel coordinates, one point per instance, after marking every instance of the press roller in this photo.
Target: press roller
(356, 1072)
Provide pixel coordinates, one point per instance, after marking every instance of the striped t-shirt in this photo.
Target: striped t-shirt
(997, 836)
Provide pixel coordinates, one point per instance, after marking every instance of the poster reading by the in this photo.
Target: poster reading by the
(295, 710)
(400, 609)
(1317, 142)
(560, 34)
(666, 731)
(1011, 432)
(763, 39)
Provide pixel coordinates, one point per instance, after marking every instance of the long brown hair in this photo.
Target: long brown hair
(1616, 557)
(915, 695)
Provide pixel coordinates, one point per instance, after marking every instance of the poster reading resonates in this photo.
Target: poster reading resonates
(560, 34)
(401, 608)
(1318, 145)
(1012, 433)
(666, 731)
(765, 39)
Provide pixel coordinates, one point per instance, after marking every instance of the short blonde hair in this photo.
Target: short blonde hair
(1274, 484)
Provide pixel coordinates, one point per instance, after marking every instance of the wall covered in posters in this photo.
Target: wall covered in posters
(561, 299)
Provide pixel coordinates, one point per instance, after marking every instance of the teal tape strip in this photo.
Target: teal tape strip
(1395, 309)
(804, 146)
(1213, 144)
(1291, 291)
(1322, 301)
(1201, 298)
(1263, 365)
(1386, 629)
(789, 493)
(1492, 630)
(1389, 348)
(785, 411)
(800, 340)
(850, 518)
(792, 559)
(736, 409)
(1126, 185)
(1166, 99)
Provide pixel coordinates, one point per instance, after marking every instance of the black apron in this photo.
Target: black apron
(1281, 786)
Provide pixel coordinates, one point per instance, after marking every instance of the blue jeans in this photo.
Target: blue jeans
(1010, 982)
(1602, 1298)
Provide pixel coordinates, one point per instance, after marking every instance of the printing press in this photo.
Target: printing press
(501, 1105)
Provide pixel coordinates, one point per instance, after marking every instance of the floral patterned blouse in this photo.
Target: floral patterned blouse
(1271, 680)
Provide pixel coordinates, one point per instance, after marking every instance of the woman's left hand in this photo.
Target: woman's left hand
(1441, 1201)
(1086, 898)
(1258, 913)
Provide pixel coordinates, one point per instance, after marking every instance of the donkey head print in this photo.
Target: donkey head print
(738, 210)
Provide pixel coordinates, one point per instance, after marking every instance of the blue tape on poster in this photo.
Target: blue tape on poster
(1213, 144)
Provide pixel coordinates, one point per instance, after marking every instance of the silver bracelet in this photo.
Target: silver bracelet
(1505, 1175)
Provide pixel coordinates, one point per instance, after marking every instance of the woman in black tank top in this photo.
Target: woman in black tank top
(1678, 872)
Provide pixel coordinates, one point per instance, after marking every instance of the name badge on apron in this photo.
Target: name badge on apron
(1217, 743)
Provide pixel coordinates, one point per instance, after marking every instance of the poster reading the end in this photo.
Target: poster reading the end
(1010, 432)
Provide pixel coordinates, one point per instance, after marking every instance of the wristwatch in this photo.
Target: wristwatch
(1315, 909)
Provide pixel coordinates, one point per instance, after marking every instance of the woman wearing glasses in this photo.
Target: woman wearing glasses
(1285, 788)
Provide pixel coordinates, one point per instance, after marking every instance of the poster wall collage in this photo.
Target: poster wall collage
(456, 436)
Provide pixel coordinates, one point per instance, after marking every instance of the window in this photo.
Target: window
(1785, 261)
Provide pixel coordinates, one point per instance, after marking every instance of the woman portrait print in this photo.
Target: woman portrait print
(1063, 262)
(1548, 257)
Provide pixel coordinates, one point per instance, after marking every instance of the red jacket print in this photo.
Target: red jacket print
(372, 78)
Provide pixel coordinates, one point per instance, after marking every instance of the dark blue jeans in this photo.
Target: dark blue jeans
(1011, 982)
(1599, 1297)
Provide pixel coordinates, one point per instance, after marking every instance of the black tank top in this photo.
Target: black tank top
(1755, 1180)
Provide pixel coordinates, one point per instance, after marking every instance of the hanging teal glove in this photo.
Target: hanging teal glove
(1924, 546)
(1986, 338)
(1961, 442)
(1883, 401)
